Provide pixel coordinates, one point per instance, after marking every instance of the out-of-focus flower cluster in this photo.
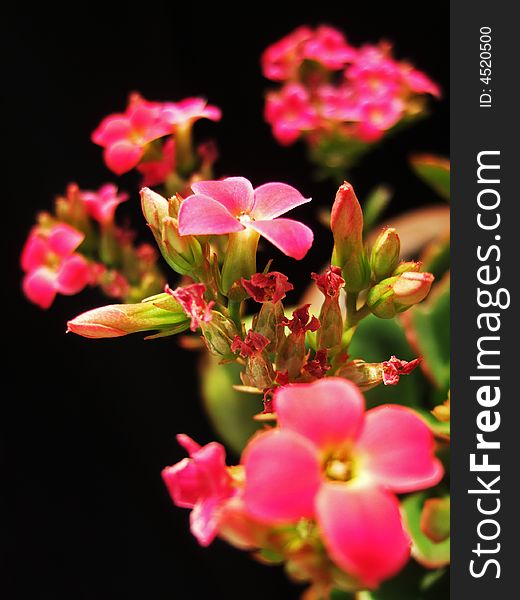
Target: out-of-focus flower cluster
(156, 139)
(318, 491)
(80, 244)
(338, 98)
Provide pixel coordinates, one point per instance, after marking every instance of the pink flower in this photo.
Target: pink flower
(373, 74)
(124, 135)
(191, 298)
(282, 59)
(232, 205)
(338, 103)
(202, 483)
(377, 116)
(329, 47)
(101, 205)
(330, 461)
(189, 110)
(290, 113)
(51, 265)
(394, 368)
(156, 171)
(267, 287)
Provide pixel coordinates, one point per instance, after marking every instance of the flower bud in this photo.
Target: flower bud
(182, 253)
(385, 254)
(380, 299)
(160, 313)
(412, 288)
(397, 294)
(407, 266)
(219, 333)
(346, 222)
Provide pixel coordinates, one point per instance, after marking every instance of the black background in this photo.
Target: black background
(90, 424)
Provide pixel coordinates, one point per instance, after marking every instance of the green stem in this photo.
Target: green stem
(184, 154)
(235, 310)
(351, 302)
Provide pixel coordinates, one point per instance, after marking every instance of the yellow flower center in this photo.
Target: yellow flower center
(243, 217)
(338, 470)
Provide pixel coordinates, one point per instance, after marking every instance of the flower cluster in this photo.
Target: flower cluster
(319, 486)
(339, 98)
(80, 244)
(318, 490)
(155, 138)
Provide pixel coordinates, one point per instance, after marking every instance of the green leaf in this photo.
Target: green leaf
(435, 171)
(231, 412)
(376, 340)
(424, 550)
(408, 585)
(428, 325)
(374, 205)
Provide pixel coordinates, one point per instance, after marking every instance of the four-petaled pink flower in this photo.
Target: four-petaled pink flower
(51, 265)
(267, 287)
(330, 461)
(377, 116)
(290, 113)
(232, 205)
(202, 483)
(101, 205)
(125, 135)
(395, 367)
(329, 47)
(282, 59)
(191, 298)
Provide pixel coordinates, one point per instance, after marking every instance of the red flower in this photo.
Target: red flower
(267, 287)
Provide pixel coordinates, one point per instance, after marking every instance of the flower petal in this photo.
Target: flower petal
(201, 215)
(63, 239)
(282, 477)
(185, 483)
(275, 199)
(328, 412)
(235, 193)
(396, 449)
(362, 530)
(34, 253)
(40, 286)
(122, 156)
(204, 521)
(73, 276)
(291, 237)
